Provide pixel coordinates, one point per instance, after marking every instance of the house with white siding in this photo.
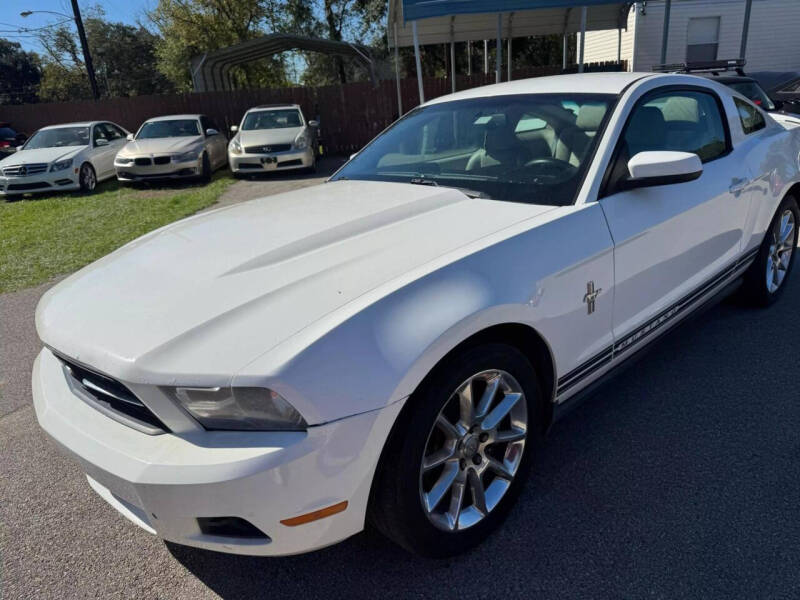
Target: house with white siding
(702, 30)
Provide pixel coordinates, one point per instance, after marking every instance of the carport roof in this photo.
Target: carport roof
(210, 70)
(474, 26)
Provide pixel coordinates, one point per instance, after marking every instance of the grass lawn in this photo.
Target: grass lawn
(45, 236)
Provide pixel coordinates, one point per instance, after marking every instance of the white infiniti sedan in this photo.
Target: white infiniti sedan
(73, 156)
(390, 347)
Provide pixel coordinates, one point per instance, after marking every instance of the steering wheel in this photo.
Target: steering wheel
(553, 169)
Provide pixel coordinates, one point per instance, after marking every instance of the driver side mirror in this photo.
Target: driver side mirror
(129, 137)
(313, 123)
(210, 132)
(661, 167)
(234, 128)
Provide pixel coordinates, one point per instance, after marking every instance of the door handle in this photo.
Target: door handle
(738, 184)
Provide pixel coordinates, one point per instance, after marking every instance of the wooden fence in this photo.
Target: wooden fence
(350, 115)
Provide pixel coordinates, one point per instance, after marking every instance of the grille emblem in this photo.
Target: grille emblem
(23, 170)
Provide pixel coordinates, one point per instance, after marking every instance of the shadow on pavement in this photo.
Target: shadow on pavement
(680, 478)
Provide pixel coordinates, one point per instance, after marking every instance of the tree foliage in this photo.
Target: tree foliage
(189, 28)
(123, 57)
(20, 73)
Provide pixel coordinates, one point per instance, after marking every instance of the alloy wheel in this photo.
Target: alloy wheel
(473, 450)
(780, 251)
(88, 179)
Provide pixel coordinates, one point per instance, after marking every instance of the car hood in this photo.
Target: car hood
(260, 137)
(161, 145)
(41, 155)
(786, 120)
(196, 301)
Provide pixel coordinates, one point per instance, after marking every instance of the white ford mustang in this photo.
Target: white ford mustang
(389, 347)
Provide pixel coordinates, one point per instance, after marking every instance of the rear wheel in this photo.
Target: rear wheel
(459, 454)
(87, 178)
(766, 278)
(205, 173)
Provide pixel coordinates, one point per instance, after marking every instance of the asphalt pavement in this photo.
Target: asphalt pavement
(678, 479)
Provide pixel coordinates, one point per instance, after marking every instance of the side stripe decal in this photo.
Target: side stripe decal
(588, 367)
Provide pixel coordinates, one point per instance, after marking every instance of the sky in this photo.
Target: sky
(126, 11)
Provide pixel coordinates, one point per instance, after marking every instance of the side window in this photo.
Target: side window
(751, 119)
(111, 132)
(684, 121)
(99, 133)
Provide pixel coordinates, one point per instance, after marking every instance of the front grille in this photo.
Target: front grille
(162, 160)
(25, 170)
(21, 187)
(267, 148)
(114, 397)
(143, 162)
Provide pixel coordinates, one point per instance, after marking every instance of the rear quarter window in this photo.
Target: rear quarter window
(752, 120)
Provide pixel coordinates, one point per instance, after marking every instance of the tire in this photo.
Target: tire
(87, 178)
(402, 485)
(205, 173)
(758, 289)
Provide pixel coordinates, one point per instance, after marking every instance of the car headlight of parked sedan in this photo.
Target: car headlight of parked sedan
(301, 142)
(239, 408)
(236, 147)
(124, 160)
(186, 156)
(60, 165)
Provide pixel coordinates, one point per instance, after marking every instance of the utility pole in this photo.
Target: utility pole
(87, 57)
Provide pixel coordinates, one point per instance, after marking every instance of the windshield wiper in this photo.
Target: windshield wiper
(466, 191)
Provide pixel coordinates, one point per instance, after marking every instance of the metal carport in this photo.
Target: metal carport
(421, 22)
(211, 71)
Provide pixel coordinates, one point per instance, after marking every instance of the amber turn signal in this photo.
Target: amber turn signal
(316, 515)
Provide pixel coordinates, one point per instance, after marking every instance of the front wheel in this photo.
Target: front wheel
(765, 280)
(87, 178)
(459, 454)
(205, 173)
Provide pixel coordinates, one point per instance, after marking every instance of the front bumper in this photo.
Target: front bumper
(279, 161)
(153, 172)
(66, 179)
(164, 483)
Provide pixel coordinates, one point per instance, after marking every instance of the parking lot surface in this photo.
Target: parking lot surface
(679, 478)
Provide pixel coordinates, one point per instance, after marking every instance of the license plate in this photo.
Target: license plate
(269, 162)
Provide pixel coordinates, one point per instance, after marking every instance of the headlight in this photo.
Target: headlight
(301, 143)
(241, 408)
(236, 147)
(124, 160)
(186, 156)
(60, 165)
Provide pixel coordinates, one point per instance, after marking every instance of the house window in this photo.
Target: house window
(702, 39)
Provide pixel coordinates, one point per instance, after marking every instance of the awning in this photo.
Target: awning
(477, 20)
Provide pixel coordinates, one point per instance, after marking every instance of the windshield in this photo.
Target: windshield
(752, 91)
(530, 148)
(272, 119)
(167, 129)
(55, 138)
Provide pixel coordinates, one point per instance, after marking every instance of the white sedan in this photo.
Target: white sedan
(273, 137)
(389, 347)
(73, 156)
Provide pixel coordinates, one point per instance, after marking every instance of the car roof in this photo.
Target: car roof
(587, 83)
(726, 79)
(173, 117)
(272, 106)
(75, 124)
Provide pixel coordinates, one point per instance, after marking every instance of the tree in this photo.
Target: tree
(359, 21)
(123, 56)
(20, 73)
(192, 27)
